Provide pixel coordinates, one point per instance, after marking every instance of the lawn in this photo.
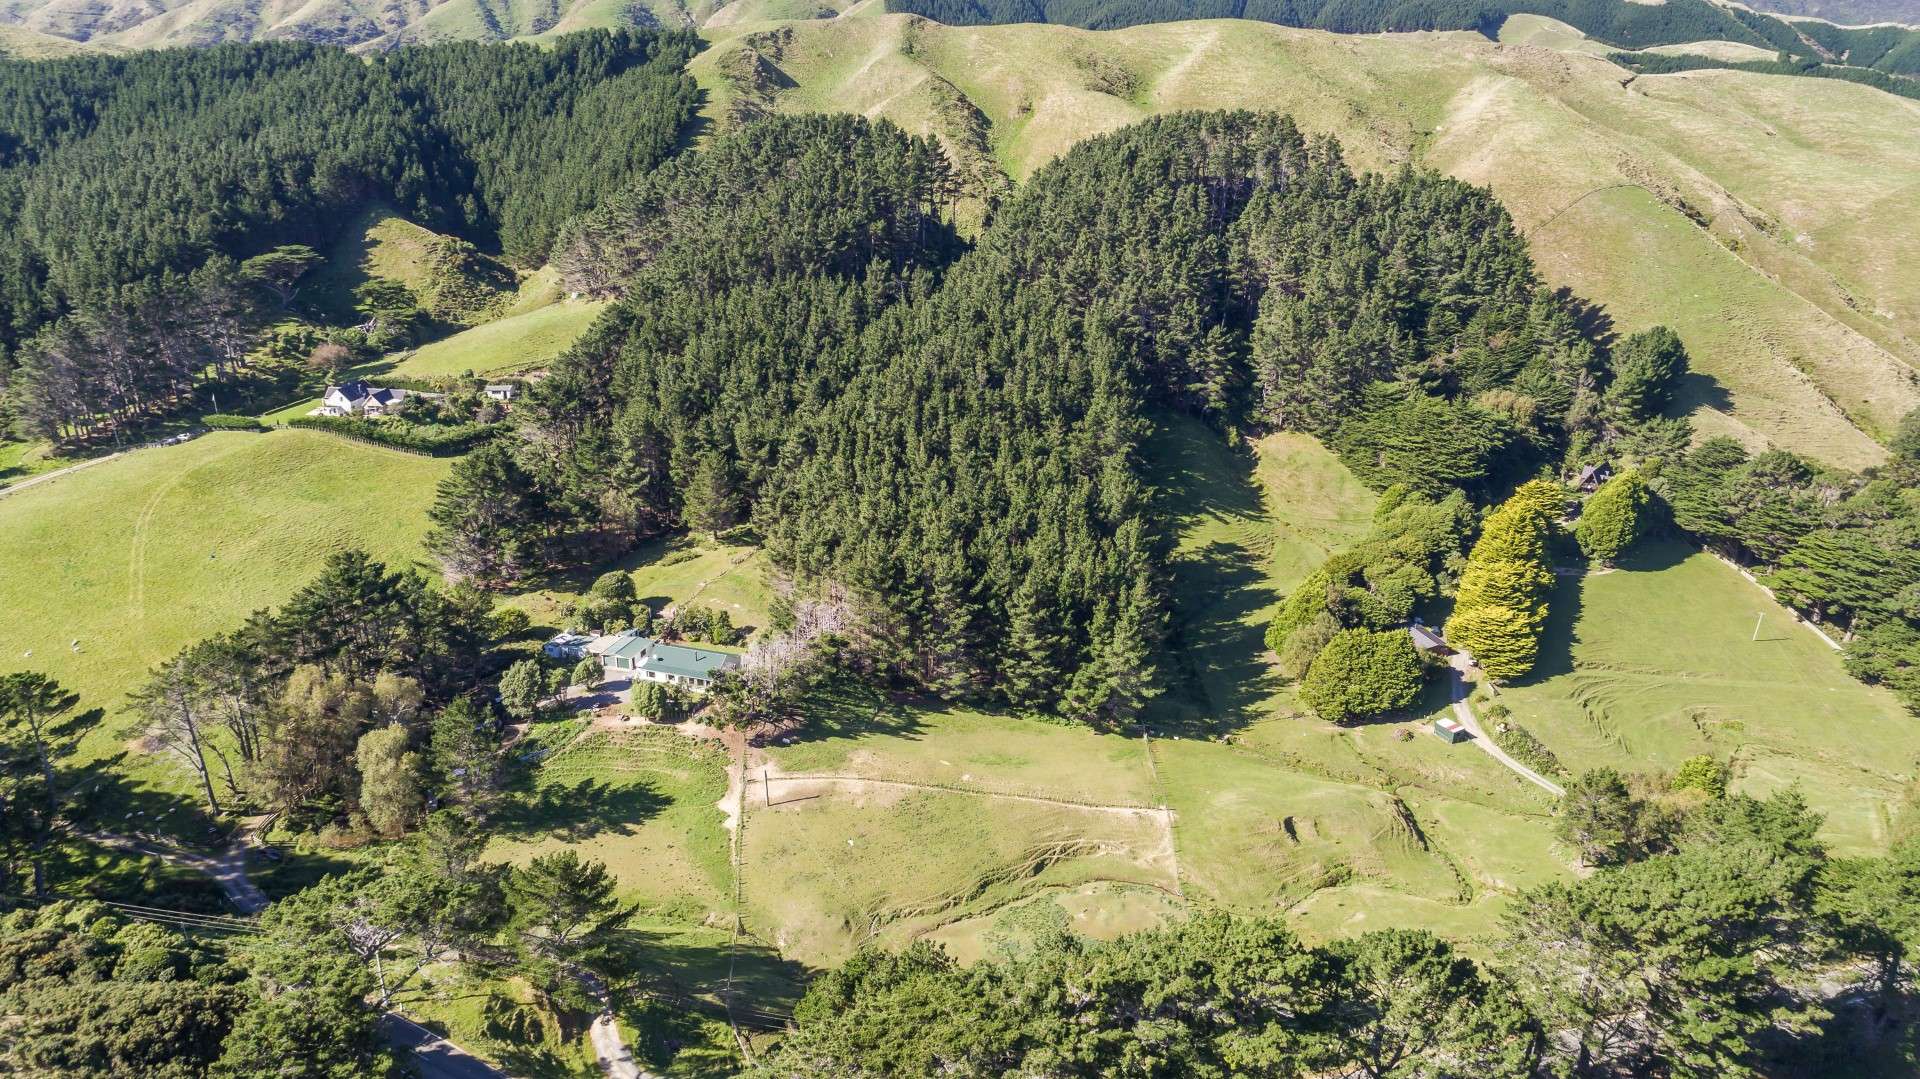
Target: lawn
(136, 558)
(645, 802)
(1646, 666)
(515, 343)
(732, 577)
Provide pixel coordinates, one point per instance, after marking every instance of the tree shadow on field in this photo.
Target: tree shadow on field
(845, 708)
(1220, 653)
(1214, 660)
(1562, 634)
(579, 810)
(1592, 318)
(1697, 390)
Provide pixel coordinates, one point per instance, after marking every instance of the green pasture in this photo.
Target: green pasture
(645, 802)
(733, 577)
(138, 557)
(854, 733)
(829, 867)
(1657, 661)
(515, 343)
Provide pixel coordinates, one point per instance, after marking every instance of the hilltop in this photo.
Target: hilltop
(1762, 217)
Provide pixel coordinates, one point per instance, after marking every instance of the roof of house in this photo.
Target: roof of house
(568, 640)
(507, 386)
(689, 662)
(358, 390)
(1425, 638)
(629, 645)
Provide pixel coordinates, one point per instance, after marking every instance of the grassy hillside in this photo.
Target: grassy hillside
(515, 343)
(449, 278)
(140, 556)
(1763, 218)
(1659, 660)
(366, 24)
(20, 43)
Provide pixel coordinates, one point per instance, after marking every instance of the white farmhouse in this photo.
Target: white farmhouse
(357, 398)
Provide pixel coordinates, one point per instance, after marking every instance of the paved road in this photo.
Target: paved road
(435, 1057)
(1464, 714)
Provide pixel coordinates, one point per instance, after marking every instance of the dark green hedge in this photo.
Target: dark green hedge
(220, 421)
(430, 439)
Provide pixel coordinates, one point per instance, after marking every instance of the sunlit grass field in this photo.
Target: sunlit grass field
(141, 556)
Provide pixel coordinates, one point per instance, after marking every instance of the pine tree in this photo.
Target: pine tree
(1030, 675)
(1611, 520)
(712, 496)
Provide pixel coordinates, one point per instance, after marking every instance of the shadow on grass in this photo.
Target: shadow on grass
(294, 870)
(111, 801)
(847, 709)
(1219, 674)
(580, 810)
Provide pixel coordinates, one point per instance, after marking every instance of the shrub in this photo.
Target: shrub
(614, 585)
(508, 623)
(1701, 773)
(220, 421)
(1363, 673)
(1522, 746)
(433, 440)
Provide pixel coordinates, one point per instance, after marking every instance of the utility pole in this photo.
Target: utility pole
(1756, 626)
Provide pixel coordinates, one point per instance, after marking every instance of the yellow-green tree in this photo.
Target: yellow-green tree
(1500, 607)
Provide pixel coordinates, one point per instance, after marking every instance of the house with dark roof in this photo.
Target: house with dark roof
(646, 659)
(357, 398)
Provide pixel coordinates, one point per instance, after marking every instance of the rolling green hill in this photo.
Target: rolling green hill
(1764, 218)
(116, 567)
(366, 24)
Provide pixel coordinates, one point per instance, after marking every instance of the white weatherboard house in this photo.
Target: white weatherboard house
(503, 391)
(356, 398)
(644, 659)
(567, 646)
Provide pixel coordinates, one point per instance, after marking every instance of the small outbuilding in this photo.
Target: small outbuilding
(1450, 731)
(1593, 476)
(1426, 640)
(502, 391)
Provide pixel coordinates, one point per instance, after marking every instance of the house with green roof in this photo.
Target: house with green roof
(646, 659)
